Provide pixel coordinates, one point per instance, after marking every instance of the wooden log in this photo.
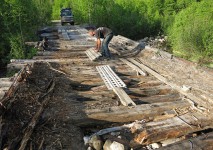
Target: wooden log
(5, 80)
(21, 76)
(2, 93)
(157, 131)
(204, 141)
(31, 43)
(173, 85)
(157, 98)
(25, 61)
(123, 114)
(14, 67)
(134, 67)
(124, 98)
(101, 93)
(157, 90)
(124, 46)
(5, 83)
(61, 54)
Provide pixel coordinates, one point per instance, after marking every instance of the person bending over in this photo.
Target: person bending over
(106, 34)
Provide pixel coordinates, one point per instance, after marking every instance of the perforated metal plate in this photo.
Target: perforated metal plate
(109, 77)
(92, 54)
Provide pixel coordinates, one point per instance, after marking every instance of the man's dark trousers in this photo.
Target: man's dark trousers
(105, 50)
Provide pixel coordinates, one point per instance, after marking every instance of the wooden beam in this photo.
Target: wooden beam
(156, 131)
(124, 98)
(123, 114)
(201, 142)
(173, 85)
(134, 67)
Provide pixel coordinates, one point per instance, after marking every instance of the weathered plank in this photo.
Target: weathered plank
(160, 52)
(124, 114)
(173, 85)
(124, 46)
(124, 98)
(5, 83)
(201, 142)
(134, 67)
(157, 131)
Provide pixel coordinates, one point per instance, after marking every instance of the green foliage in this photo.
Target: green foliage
(17, 49)
(188, 22)
(57, 6)
(192, 35)
(19, 20)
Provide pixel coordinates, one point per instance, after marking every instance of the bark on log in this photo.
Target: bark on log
(198, 143)
(153, 132)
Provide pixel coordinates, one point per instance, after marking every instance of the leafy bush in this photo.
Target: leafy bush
(191, 34)
(19, 21)
(17, 48)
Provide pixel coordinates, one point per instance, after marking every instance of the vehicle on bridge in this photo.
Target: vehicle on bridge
(67, 16)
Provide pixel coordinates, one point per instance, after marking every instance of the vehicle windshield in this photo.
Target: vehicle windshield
(66, 13)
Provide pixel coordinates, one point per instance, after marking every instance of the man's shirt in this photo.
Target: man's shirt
(102, 32)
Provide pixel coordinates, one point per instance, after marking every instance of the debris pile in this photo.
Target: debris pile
(159, 42)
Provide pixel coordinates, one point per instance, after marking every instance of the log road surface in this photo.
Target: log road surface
(80, 103)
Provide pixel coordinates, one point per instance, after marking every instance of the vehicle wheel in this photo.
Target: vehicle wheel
(72, 23)
(62, 23)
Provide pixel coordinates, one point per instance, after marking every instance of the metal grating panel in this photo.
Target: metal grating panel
(109, 77)
(92, 54)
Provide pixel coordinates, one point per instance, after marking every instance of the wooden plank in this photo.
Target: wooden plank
(123, 114)
(124, 98)
(176, 87)
(2, 93)
(156, 131)
(201, 142)
(160, 52)
(136, 68)
(5, 83)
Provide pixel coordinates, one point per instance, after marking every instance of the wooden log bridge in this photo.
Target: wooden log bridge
(97, 95)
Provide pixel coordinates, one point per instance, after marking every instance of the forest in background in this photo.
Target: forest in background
(187, 23)
(19, 21)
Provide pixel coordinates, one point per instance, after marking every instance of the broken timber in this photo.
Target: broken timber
(124, 46)
(124, 114)
(174, 127)
(204, 141)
